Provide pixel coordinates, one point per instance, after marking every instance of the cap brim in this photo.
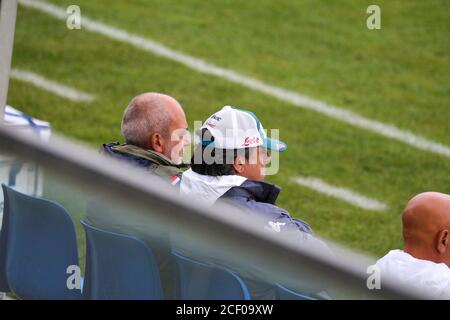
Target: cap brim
(274, 145)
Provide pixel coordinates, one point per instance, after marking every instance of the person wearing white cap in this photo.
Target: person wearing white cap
(229, 165)
(234, 150)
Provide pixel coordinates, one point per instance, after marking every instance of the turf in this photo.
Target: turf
(398, 75)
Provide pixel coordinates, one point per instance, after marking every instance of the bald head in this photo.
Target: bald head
(150, 119)
(426, 227)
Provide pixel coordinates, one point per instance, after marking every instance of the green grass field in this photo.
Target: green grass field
(398, 75)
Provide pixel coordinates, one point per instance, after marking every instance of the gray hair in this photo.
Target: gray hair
(145, 115)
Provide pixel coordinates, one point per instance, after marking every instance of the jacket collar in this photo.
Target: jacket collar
(145, 155)
(259, 191)
(152, 156)
(208, 188)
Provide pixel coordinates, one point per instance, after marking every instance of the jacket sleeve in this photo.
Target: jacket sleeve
(293, 224)
(278, 220)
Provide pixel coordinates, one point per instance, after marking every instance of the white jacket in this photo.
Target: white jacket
(419, 276)
(207, 188)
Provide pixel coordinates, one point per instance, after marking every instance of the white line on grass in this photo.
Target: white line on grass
(341, 193)
(291, 97)
(51, 86)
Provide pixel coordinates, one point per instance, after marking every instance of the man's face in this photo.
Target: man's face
(179, 137)
(254, 167)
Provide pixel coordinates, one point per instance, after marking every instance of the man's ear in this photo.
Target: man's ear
(443, 241)
(238, 165)
(157, 142)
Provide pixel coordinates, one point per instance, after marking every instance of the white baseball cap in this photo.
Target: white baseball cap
(234, 128)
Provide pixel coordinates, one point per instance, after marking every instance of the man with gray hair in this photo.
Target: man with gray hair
(156, 131)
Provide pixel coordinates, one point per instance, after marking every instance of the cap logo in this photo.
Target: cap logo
(212, 121)
(250, 141)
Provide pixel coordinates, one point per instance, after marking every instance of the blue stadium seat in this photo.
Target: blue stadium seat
(119, 267)
(38, 244)
(284, 293)
(201, 281)
(4, 287)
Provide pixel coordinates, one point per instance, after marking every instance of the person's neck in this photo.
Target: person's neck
(423, 253)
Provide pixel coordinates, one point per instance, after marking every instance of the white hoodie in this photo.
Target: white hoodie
(207, 188)
(420, 276)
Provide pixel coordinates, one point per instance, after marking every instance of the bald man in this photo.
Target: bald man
(424, 264)
(155, 130)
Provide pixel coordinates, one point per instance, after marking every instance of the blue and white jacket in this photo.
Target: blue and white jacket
(258, 196)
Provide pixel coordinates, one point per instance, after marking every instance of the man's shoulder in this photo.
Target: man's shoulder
(153, 161)
(422, 276)
(123, 152)
(108, 148)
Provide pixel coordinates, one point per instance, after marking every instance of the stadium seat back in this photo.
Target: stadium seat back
(202, 281)
(119, 267)
(38, 244)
